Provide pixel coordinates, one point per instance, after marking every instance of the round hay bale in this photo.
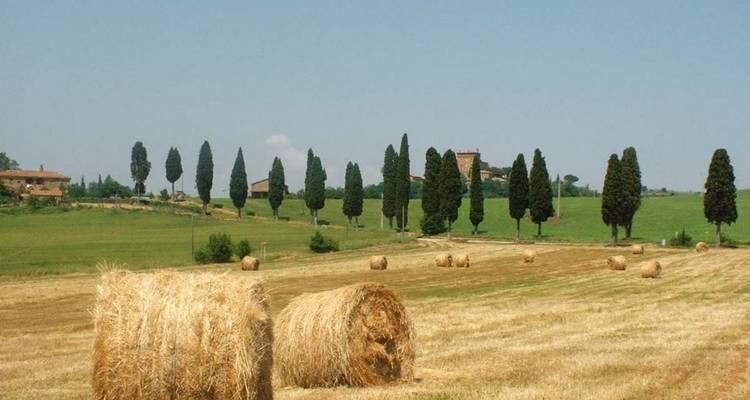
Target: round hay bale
(616, 263)
(378, 262)
(529, 256)
(444, 260)
(181, 336)
(462, 261)
(358, 335)
(637, 249)
(250, 263)
(701, 247)
(651, 269)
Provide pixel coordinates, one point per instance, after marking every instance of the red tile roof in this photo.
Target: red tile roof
(32, 174)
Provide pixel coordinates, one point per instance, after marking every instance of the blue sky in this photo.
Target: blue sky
(81, 81)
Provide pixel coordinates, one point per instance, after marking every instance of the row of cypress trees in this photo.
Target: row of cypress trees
(532, 191)
(396, 184)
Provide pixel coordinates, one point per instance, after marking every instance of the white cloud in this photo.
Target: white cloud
(295, 159)
(280, 141)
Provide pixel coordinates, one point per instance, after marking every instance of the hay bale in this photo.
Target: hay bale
(171, 335)
(637, 249)
(358, 335)
(616, 263)
(378, 262)
(701, 247)
(529, 256)
(462, 261)
(444, 260)
(250, 263)
(651, 269)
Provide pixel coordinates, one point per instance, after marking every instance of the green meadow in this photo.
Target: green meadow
(74, 241)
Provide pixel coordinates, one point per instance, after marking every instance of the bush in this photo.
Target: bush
(727, 241)
(218, 250)
(432, 225)
(164, 195)
(242, 249)
(250, 213)
(323, 244)
(681, 239)
(217, 205)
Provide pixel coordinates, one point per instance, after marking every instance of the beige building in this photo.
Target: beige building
(259, 189)
(25, 183)
(466, 158)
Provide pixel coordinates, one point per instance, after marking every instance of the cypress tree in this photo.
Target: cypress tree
(540, 192)
(139, 167)
(476, 214)
(450, 189)
(403, 185)
(308, 182)
(357, 195)
(719, 201)
(347, 201)
(631, 180)
(518, 192)
(317, 188)
(83, 185)
(613, 197)
(276, 186)
(173, 166)
(432, 221)
(204, 175)
(390, 166)
(238, 183)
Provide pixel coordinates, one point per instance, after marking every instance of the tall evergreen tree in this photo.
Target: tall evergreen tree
(83, 185)
(613, 197)
(347, 201)
(631, 180)
(450, 189)
(173, 166)
(518, 192)
(390, 167)
(276, 186)
(403, 185)
(238, 183)
(719, 201)
(308, 182)
(317, 188)
(357, 195)
(540, 192)
(432, 222)
(139, 167)
(204, 175)
(476, 214)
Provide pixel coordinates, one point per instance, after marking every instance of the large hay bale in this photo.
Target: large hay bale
(250, 263)
(358, 335)
(171, 335)
(637, 249)
(651, 269)
(701, 247)
(529, 256)
(444, 260)
(616, 263)
(461, 261)
(378, 262)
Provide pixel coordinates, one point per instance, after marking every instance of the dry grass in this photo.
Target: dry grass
(565, 329)
(357, 335)
(181, 336)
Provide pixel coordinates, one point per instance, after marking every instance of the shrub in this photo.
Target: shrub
(217, 205)
(432, 224)
(323, 244)
(218, 250)
(164, 195)
(242, 249)
(681, 239)
(250, 213)
(727, 241)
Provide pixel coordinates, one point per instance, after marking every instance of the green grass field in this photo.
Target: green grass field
(659, 218)
(74, 241)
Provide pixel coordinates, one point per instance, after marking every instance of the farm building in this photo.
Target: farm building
(465, 158)
(25, 183)
(259, 189)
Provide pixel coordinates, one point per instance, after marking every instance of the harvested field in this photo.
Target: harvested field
(565, 329)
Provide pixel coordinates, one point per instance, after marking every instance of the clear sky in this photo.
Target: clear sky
(81, 81)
